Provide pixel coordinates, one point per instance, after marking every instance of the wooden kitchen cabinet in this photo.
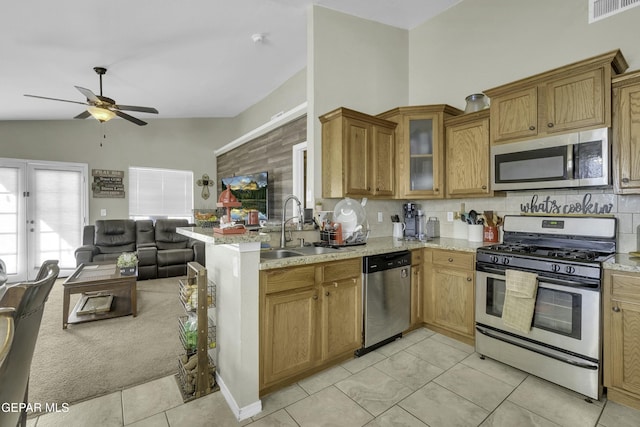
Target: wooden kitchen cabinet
(621, 337)
(310, 319)
(626, 133)
(574, 97)
(419, 136)
(341, 317)
(467, 155)
(417, 288)
(358, 155)
(449, 293)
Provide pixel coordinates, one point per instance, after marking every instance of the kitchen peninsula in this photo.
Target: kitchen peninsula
(233, 263)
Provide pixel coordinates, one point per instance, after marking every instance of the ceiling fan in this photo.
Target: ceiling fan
(102, 108)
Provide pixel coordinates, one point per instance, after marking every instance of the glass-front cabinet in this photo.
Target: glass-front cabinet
(420, 149)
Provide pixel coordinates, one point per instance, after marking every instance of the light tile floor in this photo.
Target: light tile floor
(423, 379)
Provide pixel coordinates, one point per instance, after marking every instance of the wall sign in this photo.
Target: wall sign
(107, 183)
(550, 206)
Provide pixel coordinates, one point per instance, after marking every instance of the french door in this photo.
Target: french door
(43, 208)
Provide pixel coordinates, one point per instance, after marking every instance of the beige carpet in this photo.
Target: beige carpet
(95, 358)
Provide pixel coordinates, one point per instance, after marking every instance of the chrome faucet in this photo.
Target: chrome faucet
(283, 240)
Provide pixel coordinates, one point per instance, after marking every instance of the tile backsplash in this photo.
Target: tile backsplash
(626, 208)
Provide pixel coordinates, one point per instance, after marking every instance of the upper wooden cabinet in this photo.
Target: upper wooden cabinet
(576, 96)
(420, 157)
(358, 154)
(626, 133)
(467, 155)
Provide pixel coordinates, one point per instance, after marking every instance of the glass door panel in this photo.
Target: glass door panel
(421, 154)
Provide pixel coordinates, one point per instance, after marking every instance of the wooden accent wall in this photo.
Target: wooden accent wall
(271, 152)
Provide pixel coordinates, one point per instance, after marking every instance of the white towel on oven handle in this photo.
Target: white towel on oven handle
(520, 299)
(521, 284)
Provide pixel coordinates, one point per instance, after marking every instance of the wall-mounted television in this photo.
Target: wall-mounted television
(252, 190)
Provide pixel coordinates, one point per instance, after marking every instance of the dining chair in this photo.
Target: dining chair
(24, 302)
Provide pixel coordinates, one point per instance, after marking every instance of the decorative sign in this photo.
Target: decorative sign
(107, 183)
(550, 206)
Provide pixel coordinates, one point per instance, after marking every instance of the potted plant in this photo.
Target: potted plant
(128, 263)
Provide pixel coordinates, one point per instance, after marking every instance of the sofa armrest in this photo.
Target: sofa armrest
(147, 255)
(84, 254)
(198, 251)
(146, 245)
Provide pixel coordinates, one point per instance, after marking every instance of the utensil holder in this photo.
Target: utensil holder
(476, 232)
(490, 234)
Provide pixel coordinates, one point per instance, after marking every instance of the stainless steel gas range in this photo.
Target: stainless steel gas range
(563, 344)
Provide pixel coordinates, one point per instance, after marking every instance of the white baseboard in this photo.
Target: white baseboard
(240, 413)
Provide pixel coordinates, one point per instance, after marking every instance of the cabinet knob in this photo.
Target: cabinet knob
(484, 187)
(625, 180)
(469, 279)
(326, 294)
(436, 190)
(616, 309)
(549, 125)
(377, 188)
(315, 297)
(335, 284)
(368, 188)
(532, 128)
(450, 260)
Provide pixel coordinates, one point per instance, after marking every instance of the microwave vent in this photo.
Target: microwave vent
(600, 9)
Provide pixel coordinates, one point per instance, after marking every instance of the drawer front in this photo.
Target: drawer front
(339, 270)
(625, 286)
(285, 279)
(454, 259)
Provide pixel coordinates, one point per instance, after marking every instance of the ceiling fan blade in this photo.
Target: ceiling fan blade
(136, 108)
(83, 115)
(56, 99)
(130, 118)
(88, 94)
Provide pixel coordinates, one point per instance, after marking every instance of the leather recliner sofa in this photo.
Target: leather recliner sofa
(107, 239)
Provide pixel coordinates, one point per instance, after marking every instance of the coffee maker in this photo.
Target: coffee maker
(411, 220)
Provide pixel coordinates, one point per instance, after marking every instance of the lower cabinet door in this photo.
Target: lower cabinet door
(453, 300)
(289, 333)
(341, 317)
(625, 346)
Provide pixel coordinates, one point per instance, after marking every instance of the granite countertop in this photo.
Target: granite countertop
(623, 262)
(206, 234)
(374, 246)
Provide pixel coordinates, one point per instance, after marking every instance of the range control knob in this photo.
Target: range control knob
(505, 261)
(570, 269)
(555, 267)
(494, 259)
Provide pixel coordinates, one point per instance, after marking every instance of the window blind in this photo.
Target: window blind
(160, 193)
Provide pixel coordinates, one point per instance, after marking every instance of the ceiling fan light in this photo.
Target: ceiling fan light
(101, 114)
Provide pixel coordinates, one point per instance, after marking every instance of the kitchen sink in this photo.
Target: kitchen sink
(278, 254)
(316, 250)
(304, 251)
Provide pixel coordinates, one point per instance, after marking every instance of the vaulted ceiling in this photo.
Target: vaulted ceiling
(187, 59)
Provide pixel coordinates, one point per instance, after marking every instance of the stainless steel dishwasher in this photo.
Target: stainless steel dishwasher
(386, 281)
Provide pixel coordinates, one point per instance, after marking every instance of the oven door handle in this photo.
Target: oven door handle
(538, 349)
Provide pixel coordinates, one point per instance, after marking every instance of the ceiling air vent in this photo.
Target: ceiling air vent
(600, 9)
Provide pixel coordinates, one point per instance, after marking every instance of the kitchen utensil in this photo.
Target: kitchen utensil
(488, 215)
(473, 216)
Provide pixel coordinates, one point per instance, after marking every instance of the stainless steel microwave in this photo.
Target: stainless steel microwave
(580, 159)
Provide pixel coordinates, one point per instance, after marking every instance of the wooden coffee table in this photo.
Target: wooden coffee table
(99, 279)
